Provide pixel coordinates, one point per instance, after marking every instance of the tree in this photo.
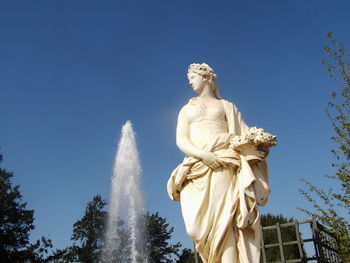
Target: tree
(88, 234)
(157, 238)
(186, 256)
(16, 222)
(153, 242)
(88, 237)
(332, 208)
(121, 247)
(287, 234)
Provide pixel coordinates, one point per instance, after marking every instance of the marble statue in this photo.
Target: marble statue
(223, 177)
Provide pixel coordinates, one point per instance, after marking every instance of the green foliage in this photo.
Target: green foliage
(332, 208)
(88, 237)
(157, 237)
(186, 256)
(270, 237)
(88, 234)
(16, 222)
(123, 243)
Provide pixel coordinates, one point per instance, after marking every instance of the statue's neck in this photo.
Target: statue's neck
(207, 93)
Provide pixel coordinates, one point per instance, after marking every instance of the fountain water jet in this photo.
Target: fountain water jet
(127, 203)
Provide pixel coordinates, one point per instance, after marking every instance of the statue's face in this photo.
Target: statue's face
(197, 82)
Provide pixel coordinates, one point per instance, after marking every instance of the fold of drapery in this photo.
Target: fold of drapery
(213, 201)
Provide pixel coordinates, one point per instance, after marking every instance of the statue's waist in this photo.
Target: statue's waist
(203, 132)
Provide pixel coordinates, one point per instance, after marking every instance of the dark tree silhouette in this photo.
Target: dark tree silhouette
(16, 222)
(158, 234)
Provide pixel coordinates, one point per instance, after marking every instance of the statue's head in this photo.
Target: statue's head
(207, 73)
(203, 70)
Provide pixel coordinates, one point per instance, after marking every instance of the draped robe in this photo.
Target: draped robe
(214, 202)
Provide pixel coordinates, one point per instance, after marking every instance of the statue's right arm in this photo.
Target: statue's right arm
(183, 136)
(186, 146)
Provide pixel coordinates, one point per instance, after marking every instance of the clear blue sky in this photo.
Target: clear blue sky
(73, 72)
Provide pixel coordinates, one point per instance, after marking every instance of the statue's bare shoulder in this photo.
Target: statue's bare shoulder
(187, 111)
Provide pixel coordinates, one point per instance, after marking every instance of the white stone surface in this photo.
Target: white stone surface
(223, 177)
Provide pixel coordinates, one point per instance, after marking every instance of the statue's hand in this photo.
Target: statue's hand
(210, 160)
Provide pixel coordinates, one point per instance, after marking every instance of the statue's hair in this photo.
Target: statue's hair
(205, 71)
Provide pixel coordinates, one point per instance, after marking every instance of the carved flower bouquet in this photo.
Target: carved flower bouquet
(254, 144)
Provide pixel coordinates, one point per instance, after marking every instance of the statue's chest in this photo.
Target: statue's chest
(213, 111)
